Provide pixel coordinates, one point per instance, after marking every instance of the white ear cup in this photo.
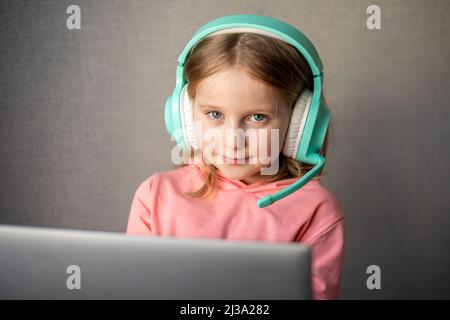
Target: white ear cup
(187, 119)
(297, 124)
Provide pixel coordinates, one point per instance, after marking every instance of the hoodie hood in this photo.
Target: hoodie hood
(226, 183)
(256, 187)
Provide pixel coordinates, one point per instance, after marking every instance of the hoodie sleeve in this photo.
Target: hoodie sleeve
(327, 259)
(139, 217)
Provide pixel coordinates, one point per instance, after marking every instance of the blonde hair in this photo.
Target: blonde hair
(274, 62)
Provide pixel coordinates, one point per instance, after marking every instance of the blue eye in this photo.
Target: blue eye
(215, 114)
(259, 117)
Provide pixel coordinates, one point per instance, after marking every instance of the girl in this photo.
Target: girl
(244, 81)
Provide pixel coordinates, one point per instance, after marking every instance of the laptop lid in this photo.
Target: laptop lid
(44, 263)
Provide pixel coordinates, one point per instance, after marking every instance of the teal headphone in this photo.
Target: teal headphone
(310, 115)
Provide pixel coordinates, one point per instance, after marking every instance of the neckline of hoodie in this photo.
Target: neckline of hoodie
(231, 184)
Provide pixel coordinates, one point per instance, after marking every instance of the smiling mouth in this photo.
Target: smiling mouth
(227, 160)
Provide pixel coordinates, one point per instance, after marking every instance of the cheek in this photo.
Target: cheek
(207, 135)
(200, 126)
(270, 141)
(281, 136)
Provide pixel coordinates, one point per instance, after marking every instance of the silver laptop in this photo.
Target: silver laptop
(43, 263)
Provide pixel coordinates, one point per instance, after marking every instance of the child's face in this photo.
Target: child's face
(231, 102)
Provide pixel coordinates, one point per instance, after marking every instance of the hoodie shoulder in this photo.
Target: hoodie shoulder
(325, 213)
(181, 179)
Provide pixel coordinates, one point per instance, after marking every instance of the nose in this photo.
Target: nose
(235, 138)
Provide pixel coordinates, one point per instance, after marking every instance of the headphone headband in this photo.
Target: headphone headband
(262, 25)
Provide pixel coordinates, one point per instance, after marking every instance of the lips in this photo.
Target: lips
(227, 160)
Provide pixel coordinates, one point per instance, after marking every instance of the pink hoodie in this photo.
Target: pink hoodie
(310, 215)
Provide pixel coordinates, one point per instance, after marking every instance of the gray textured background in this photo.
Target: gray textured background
(81, 120)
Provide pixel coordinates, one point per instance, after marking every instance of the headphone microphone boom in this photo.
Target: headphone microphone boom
(310, 115)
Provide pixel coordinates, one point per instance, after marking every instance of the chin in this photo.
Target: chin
(238, 172)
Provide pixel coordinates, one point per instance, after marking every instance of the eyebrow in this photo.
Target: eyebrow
(256, 109)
